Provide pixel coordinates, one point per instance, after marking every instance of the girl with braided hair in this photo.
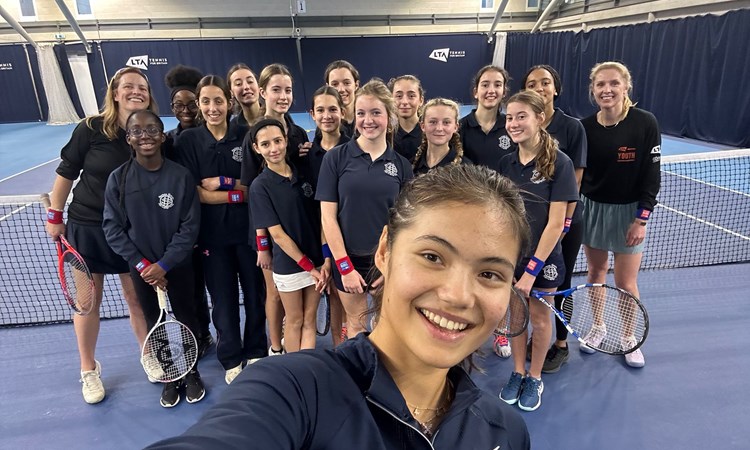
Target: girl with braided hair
(441, 143)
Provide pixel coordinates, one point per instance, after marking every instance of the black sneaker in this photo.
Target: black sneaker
(555, 358)
(204, 344)
(170, 395)
(194, 389)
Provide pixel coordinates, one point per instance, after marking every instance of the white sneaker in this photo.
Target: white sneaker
(252, 361)
(272, 352)
(93, 389)
(501, 346)
(595, 337)
(152, 366)
(634, 358)
(231, 374)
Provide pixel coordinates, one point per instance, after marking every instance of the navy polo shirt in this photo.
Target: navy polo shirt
(406, 143)
(485, 149)
(316, 154)
(205, 157)
(252, 162)
(348, 128)
(538, 192)
(421, 167)
(571, 140)
(364, 189)
(278, 200)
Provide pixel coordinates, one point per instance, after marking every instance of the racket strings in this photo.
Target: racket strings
(606, 318)
(170, 352)
(78, 283)
(516, 317)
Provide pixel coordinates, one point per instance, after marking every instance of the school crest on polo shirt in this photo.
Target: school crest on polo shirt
(503, 142)
(237, 154)
(537, 177)
(307, 189)
(391, 169)
(550, 272)
(166, 201)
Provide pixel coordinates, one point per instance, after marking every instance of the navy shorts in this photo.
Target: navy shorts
(552, 274)
(362, 264)
(90, 243)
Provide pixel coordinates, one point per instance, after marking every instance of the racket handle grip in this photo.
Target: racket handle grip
(162, 295)
(44, 198)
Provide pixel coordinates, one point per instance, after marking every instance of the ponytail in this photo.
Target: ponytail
(545, 159)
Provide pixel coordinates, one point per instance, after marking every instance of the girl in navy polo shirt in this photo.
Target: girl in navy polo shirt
(152, 219)
(245, 93)
(344, 77)
(408, 93)
(283, 204)
(441, 144)
(326, 111)
(482, 131)
(547, 181)
(571, 140)
(213, 153)
(357, 184)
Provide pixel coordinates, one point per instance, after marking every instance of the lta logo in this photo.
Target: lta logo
(440, 54)
(139, 62)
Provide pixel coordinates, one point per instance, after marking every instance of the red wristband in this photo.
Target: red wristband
(236, 196)
(262, 243)
(344, 265)
(142, 264)
(306, 263)
(54, 216)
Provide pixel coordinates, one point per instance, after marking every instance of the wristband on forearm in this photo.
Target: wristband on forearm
(142, 264)
(236, 196)
(226, 183)
(643, 214)
(534, 266)
(262, 242)
(306, 264)
(54, 216)
(327, 251)
(566, 225)
(344, 265)
(163, 266)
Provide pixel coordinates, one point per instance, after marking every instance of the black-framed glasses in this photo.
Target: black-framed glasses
(151, 131)
(179, 107)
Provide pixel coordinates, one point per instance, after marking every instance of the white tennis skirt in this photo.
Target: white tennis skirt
(293, 282)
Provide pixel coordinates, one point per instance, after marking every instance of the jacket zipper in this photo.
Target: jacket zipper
(369, 399)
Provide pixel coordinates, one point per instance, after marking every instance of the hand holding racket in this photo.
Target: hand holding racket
(170, 350)
(604, 318)
(75, 279)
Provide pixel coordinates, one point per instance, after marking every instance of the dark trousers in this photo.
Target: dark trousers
(203, 316)
(222, 266)
(571, 244)
(179, 290)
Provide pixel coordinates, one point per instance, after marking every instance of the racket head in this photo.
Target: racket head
(170, 350)
(323, 317)
(623, 316)
(516, 318)
(75, 279)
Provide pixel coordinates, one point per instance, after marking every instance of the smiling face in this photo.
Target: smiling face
(342, 80)
(371, 117)
(522, 123)
(214, 105)
(608, 88)
(185, 108)
(244, 87)
(490, 89)
(408, 98)
(439, 123)
(446, 283)
(270, 143)
(132, 93)
(278, 93)
(145, 134)
(542, 82)
(326, 113)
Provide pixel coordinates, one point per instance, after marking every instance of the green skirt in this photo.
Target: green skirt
(605, 226)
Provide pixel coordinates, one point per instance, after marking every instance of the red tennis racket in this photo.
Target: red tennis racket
(75, 279)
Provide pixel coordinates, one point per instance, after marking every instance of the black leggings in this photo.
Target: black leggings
(571, 244)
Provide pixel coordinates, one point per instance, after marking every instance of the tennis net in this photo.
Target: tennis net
(702, 219)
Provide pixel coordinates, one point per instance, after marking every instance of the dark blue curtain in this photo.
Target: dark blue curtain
(689, 72)
(16, 85)
(455, 60)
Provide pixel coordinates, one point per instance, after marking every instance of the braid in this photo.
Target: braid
(420, 151)
(545, 160)
(455, 144)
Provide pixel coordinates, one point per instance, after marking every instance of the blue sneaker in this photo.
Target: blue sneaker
(531, 394)
(512, 389)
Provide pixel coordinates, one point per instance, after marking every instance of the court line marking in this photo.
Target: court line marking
(30, 169)
(17, 210)
(705, 222)
(734, 191)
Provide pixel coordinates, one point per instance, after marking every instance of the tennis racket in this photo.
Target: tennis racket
(516, 318)
(75, 279)
(170, 350)
(604, 318)
(323, 321)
